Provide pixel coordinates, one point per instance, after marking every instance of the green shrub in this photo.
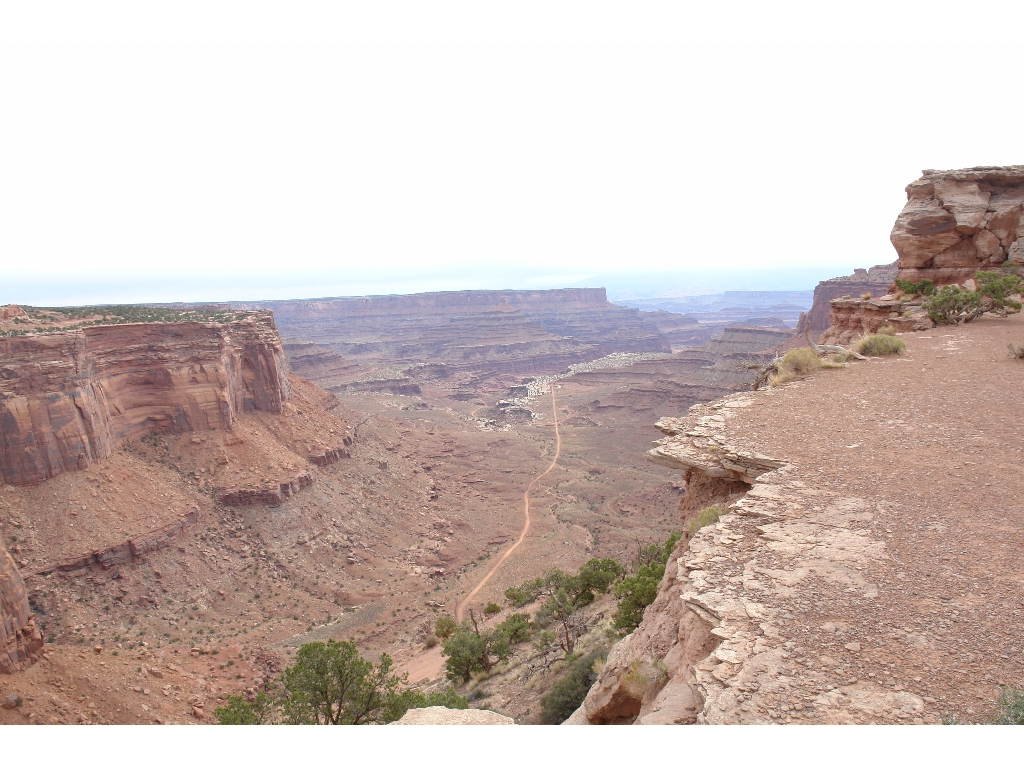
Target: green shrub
(877, 344)
(952, 305)
(492, 609)
(241, 711)
(705, 517)
(568, 691)
(920, 288)
(1017, 352)
(639, 589)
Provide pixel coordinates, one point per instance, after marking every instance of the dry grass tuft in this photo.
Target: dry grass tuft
(866, 295)
(705, 517)
(877, 344)
(795, 364)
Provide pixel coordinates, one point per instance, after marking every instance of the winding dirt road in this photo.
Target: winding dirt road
(461, 608)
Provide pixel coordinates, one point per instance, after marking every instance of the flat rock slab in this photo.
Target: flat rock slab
(445, 716)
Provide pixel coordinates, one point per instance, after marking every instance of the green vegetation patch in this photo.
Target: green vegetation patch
(878, 344)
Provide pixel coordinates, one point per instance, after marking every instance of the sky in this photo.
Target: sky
(200, 151)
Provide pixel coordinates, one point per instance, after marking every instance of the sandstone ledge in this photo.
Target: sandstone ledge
(721, 627)
(445, 716)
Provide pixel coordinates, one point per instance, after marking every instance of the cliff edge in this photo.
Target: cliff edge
(68, 398)
(863, 569)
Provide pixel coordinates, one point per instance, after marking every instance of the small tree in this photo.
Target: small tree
(491, 609)
(474, 648)
(330, 684)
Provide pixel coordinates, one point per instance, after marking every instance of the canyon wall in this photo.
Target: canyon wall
(957, 222)
(875, 281)
(517, 332)
(21, 643)
(68, 398)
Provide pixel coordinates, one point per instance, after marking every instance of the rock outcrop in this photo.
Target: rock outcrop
(875, 281)
(12, 311)
(719, 644)
(68, 398)
(854, 317)
(21, 643)
(957, 222)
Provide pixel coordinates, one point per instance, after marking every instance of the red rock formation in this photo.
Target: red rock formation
(875, 281)
(67, 398)
(957, 222)
(126, 552)
(516, 332)
(854, 317)
(12, 311)
(21, 643)
(271, 496)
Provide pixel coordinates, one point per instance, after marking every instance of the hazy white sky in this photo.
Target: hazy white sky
(210, 150)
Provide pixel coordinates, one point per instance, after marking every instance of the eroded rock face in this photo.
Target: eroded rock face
(875, 281)
(854, 317)
(11, 311)
(957, 222)
(68, 398)
(21, 643)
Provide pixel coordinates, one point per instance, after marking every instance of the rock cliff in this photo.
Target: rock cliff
(875, 281)
(21, 643)
(957, 222)
(68, 398)
(517, 332)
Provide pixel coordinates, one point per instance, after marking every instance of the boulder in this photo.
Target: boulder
(21, 643)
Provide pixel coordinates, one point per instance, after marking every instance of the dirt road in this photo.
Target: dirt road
(460, 610)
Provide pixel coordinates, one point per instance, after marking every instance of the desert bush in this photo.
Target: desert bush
(255, 710)
(639, 589)
(952, 305)
(886, 330)
(445, 627)
(920, 288)
(1009, 707)
(705, 517)
(877, 344)
(492, 609)
(431, 641)
(795, 364)
(1017, 352)
(865, 296)
(570, 689)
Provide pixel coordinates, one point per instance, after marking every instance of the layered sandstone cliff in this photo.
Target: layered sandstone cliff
(957, 222)
(68, 398)
(519, 332)
(875, 281)
(21, 643)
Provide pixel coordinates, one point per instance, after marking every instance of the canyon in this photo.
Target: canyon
(185, 502)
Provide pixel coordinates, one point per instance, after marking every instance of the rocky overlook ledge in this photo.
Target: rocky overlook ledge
(864, 568)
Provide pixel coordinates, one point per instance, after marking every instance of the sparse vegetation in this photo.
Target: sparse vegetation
(1009, 707)
(1017, 352)
(705, 517)
(795, 364)
(952, 305)
(568, 691)
(639, 589)
(920, 288)
(45, 317)
(878, 344)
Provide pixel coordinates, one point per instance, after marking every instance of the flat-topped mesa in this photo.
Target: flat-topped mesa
(68, 398)
(21, 642)
(957, 222)
(505, 331)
